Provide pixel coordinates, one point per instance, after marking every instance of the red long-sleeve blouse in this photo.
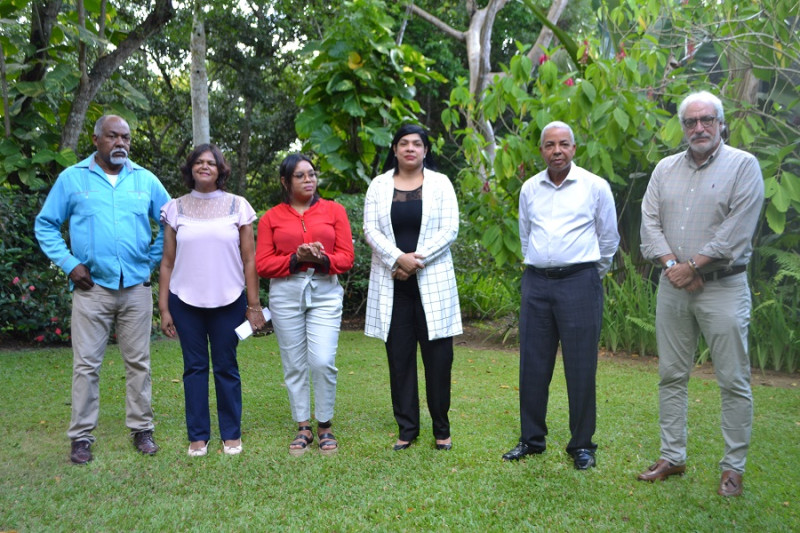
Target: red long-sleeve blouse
(282, 229)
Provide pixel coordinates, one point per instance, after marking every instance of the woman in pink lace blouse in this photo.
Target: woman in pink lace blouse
(208, 285)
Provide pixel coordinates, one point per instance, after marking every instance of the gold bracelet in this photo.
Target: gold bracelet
(254, 308)
(693, 265)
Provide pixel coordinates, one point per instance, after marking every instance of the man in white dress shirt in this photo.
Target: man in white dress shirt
(568, 232)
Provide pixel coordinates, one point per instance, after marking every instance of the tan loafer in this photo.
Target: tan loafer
(661, 470)
(730, 484)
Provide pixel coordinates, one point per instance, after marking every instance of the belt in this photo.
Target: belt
(719, 274)
(562, 272)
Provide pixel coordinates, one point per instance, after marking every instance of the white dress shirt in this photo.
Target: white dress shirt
(575, 222)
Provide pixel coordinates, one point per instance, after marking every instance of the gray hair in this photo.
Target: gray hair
(706, 98)
(98, 126)
(557, 124)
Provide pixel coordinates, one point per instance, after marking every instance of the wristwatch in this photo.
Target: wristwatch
(671, 263)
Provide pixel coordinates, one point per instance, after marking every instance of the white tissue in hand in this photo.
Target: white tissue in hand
(245, 329)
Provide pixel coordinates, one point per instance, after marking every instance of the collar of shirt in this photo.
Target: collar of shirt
(544, 177)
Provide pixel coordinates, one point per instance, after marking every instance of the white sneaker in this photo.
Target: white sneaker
(232, 450)
(199, 452)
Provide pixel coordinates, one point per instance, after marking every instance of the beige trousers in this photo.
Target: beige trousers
(93, 313)
(721, 312)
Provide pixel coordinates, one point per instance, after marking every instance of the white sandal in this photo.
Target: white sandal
(232, 450)
(198, 452)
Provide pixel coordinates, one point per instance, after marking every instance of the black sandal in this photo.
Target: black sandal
(327, 442)
(302, 441)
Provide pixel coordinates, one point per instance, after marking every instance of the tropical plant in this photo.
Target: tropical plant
(361, 87)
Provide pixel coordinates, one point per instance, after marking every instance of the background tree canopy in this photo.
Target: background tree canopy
(336, 79)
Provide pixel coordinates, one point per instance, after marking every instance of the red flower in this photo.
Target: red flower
(15, 280)
(543, 59)
(485, 186)
(569, 82)
(31, 288)
(40, 338)
(621, 54)
(58, 331)
(585, 57)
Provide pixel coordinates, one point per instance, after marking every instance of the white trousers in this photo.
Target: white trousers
(306, 315)
(721, 312)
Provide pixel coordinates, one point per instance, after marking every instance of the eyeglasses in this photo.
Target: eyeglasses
(311, 175)
(690, 123)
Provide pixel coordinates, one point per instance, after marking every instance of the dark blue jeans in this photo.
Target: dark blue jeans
(198, 328)
(568, 311)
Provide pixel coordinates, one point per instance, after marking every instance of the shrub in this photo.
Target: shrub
(356, 280)
(629, 310)
(35, 303)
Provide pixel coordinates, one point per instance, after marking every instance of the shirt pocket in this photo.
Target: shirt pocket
(134, 207)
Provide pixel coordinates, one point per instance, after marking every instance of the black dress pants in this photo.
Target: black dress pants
(568, 310)
(408, 328)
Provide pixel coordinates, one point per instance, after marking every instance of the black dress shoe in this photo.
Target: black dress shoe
(448, 446)
(399, 447)
(520, 451)
(583, 459)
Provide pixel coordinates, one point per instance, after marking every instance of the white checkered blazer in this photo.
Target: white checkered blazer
(437, 281)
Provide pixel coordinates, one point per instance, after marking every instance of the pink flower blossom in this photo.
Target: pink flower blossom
(15, 280)
(569, 82)
(31, 288)
(40, 338)
(543, 59)
(58, 331)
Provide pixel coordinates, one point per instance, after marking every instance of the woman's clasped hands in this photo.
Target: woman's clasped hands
(311, 252)
(408, 264)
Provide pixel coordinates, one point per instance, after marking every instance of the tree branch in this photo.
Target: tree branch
(106, 66)
(449, 30)
(546, 35)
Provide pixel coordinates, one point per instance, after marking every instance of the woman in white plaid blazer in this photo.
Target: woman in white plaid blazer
(410, 220)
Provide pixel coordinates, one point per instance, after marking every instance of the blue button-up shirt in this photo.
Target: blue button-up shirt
(110, 227)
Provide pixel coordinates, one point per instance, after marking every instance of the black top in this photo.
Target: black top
(407, 218)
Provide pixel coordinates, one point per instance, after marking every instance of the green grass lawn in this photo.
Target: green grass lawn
(367, 486)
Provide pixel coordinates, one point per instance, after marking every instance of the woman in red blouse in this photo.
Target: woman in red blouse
(303, 243)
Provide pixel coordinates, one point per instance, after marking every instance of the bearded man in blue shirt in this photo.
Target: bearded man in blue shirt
(108, 202)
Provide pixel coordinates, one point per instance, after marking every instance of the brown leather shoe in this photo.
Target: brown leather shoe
(661, 470)
(730, 484)
(144, 442)
(81, 452)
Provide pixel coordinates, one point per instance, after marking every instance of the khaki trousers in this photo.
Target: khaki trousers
(93, 313)
(721, 312)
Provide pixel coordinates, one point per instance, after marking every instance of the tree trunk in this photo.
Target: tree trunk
(105, 67)
(199, 80)
(244, 147)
